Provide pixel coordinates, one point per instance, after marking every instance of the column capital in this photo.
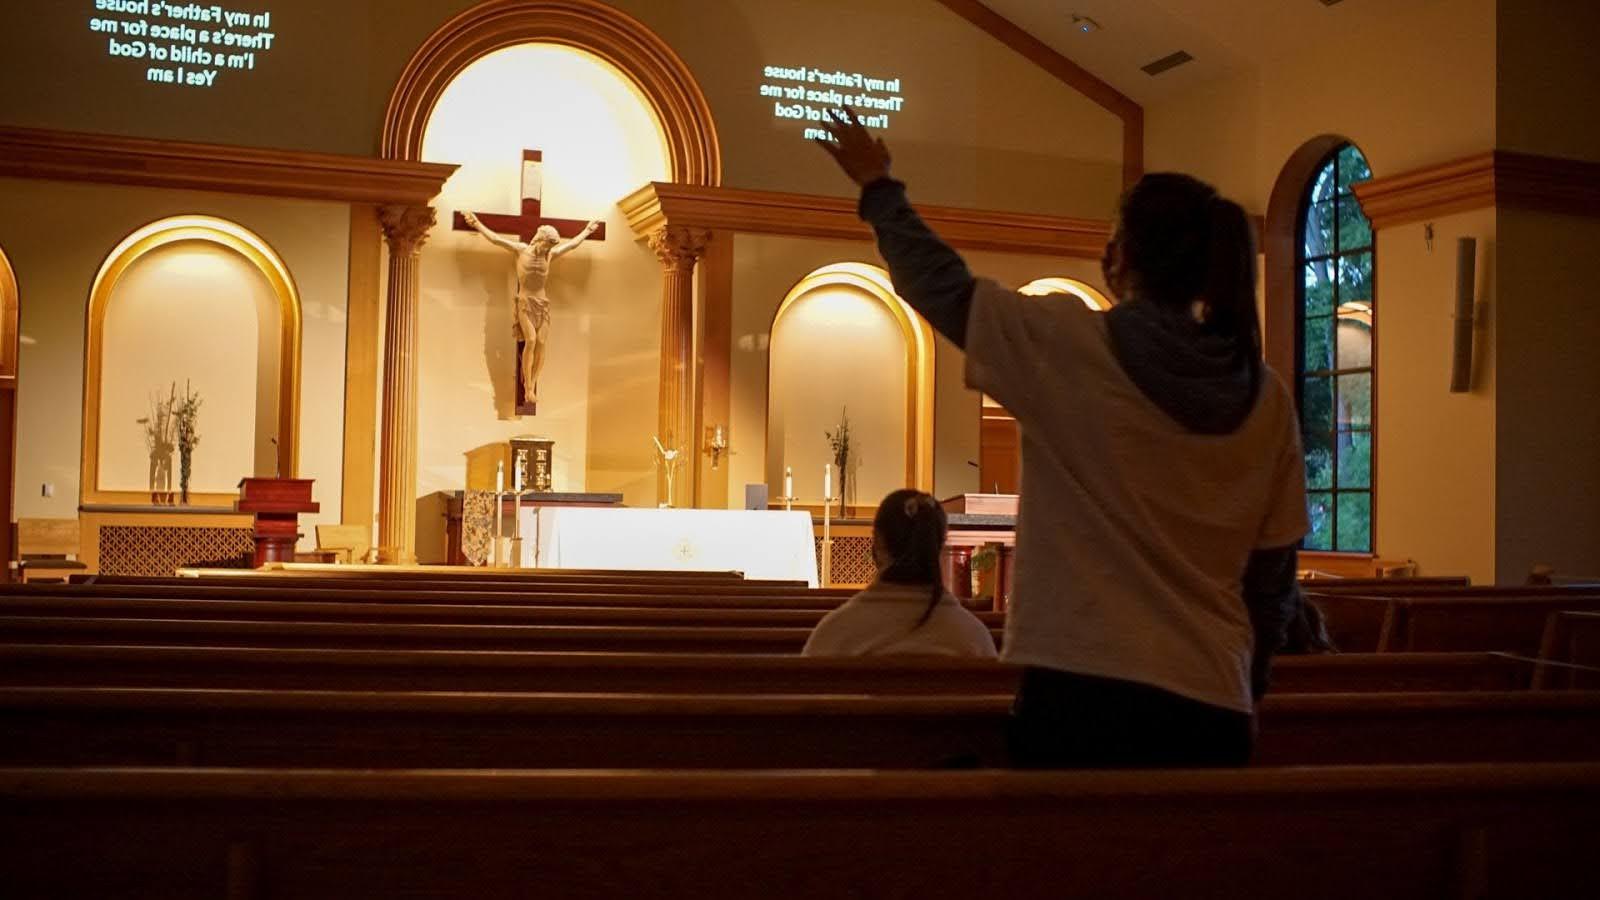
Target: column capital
(406, 227)
(679, 247)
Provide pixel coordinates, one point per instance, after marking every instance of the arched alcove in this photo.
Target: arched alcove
(842, 339)
(597, 139)
(201, 302)
(1045, 287)
(621, 41)
(999, 437)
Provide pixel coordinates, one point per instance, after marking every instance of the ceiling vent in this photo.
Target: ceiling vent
(1331, 2)
(1167, 63)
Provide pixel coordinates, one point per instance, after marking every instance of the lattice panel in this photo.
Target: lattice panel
(161, 550)
(852, 561)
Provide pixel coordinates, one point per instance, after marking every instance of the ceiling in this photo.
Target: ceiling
(1224, 36)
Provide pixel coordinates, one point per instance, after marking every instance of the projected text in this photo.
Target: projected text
(182, 44)
(802, 95)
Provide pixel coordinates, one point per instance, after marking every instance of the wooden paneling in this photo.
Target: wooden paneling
(808, 215)
(115, 159)
(358, 471)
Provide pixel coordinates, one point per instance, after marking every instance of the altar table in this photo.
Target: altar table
(765, 545)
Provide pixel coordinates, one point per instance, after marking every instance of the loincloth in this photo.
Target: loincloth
(537, 311)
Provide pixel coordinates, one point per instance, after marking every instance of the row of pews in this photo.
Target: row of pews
(627, 734)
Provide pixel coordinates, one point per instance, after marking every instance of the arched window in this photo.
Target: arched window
(1335, 361)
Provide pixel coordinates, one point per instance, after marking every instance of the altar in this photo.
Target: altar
(764, 545)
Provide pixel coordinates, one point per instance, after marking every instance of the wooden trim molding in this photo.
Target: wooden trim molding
(152, 237)
(806, 215)
(1498, 178)
(593, 27)
(1069, 73)
(114, 159)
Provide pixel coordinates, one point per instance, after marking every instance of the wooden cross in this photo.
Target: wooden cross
(524, 225)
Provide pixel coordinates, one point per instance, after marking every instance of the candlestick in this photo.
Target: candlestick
(516, 472)
(500, 477)
(827, 482)
(827, 527)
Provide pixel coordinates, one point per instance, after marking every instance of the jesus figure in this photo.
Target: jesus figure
(532, 326)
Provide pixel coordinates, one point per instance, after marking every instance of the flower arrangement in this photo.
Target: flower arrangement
(185, 415)
(839, 442)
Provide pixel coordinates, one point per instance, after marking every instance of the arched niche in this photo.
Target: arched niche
(843, 338)
(595, 28)
(9, 335)
(999, 438)
(1072, 287)
(191, 293)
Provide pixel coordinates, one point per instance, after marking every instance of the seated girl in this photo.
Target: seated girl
(906, 611)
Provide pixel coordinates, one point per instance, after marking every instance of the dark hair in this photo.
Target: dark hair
(910, 529)
(1180, 242)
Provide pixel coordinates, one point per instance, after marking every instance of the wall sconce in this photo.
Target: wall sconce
(717, 444)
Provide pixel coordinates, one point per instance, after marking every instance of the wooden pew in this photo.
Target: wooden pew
(575, 595)
(1513, 624)
(585, 584)
(458, 670)
(421, 613)
(1360, 621)
(401, 729)
(1569, 653)
(1376, 833)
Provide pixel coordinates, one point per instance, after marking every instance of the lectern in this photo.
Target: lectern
(277, 504)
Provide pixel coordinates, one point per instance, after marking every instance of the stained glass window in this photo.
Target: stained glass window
(1335, 359)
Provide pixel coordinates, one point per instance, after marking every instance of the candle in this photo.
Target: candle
(500, 477)
(788, 482)
(516, 479)
(827, 482)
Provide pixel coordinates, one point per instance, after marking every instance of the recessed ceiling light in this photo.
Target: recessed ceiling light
(1084, 24)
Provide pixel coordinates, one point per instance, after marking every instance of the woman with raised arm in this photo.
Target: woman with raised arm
(1165, 497)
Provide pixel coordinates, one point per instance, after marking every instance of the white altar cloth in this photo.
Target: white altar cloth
(766, 545)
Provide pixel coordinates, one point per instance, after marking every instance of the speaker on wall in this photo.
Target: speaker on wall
(1466, 293)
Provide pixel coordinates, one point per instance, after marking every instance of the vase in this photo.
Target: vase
(184, 458)
(844, 491)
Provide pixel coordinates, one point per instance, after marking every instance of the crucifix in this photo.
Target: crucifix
(539, 241)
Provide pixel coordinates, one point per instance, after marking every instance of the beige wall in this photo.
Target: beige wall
(57, 235)
(1548, 78)
(1436, 451)
(1406, 101)
(982, 126)
(1548, 475)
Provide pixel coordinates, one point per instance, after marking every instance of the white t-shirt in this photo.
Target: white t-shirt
(882, 621)
(1133, 533)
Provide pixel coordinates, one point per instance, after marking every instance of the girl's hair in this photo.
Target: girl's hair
(1181, 241)
(909, 529)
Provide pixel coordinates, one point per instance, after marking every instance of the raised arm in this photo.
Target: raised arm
(567, 246)
(931, 276)
(492, 237)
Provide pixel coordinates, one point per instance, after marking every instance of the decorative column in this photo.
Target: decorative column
(679, 249)
(406, 229)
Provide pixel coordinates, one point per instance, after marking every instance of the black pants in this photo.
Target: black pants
(1065, 721)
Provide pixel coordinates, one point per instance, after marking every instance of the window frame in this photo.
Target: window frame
(1334, 255)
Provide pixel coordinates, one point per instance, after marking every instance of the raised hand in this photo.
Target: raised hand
(862, 157)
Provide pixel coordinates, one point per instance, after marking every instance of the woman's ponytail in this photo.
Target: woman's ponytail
(1230, 286)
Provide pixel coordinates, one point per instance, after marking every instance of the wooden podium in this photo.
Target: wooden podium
(277, 504)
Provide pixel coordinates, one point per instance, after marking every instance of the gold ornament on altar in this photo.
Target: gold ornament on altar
(669, 460)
